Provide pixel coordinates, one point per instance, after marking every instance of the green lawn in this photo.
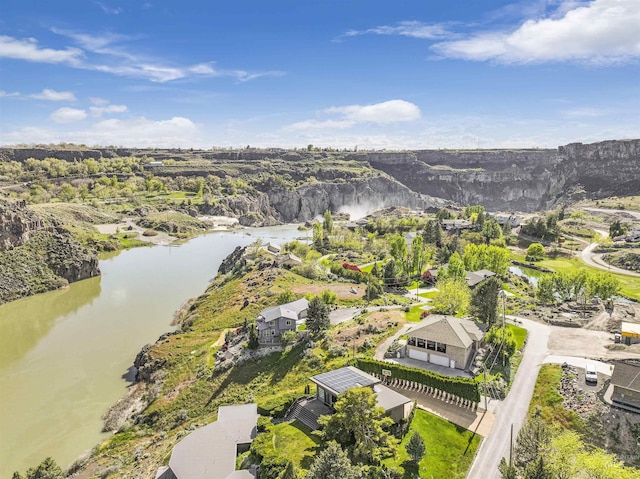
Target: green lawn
(428, 295)
(630, 284)
(413, 316)
(520, 334)
(450, 448)
(293, 440)
(547, 398)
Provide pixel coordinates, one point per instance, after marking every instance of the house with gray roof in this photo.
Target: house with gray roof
(331, 384)
(625, 381)
(274, 321)
(445, 340)
(210, 452)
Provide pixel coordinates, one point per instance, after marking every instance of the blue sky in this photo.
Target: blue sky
(376, 74)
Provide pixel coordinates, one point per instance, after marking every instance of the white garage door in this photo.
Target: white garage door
(441, 360)
(421, 355)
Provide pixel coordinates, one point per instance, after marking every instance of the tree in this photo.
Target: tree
(287, 338)
(484, 300)
(253, 337)
(537, 470)
(455, 270)
(374, 289)
(286, 297)
(66, 192)
(47, 469)
(535, 252)
(327, 224)
(318, 235)
(432, 232)
(603, 285)
(416, 448)
(418, 254)
(533, 438)
(507, 471)
(491, 230)
(546, 289)
(290, 472)
(332, 462)
(317, 316)
(328, 297)
(399, 252)
(617, 229)
(360, 425)
(390, 273)
(453, 296)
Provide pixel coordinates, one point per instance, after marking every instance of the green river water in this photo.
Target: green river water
(64, 354)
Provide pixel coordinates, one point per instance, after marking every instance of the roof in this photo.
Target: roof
(630, 327)
(476, 277)
(287, 310)
(626, 376)
(343, 379)
(388, 398)
(289, 257)
(210, 452)
(449, 330)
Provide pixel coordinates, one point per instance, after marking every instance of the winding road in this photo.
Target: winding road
(595, 260)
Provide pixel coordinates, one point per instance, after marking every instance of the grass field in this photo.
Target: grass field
(630, 284)
(520, 334)
(294, 441)
(547, 398)
(450, 448)
(413, 316)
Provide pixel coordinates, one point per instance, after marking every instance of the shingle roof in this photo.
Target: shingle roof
(626, 376)
(287, 310)
(449, 330)
(343, 379)
(475, 277)
(210, 452)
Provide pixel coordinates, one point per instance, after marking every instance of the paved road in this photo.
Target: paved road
(513, 410)
(595, 260)
(631, 213)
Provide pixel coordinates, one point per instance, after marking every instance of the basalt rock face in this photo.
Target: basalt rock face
(499, 180)
(38, 256)
(312, 200)
(602, 169)
(251, 210)
(524, 180)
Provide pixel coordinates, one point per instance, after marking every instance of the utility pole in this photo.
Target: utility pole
(504, 325)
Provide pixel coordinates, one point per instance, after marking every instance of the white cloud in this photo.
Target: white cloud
(107, 9)
(68, 115)
(52, 95)
(98, 111)
(6, 94)
(412, 29)
(385, 112)
(28, 49)
(585, 112)
(598, 32)
(135, 132)
(391, 111)
(98, 101)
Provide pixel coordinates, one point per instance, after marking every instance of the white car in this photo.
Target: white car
(590, 374)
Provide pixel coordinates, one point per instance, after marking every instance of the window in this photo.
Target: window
(442, 348)
(288, 322)
(273, 332)
(411, 342)
(420, 343)
(270, 323)
(431, 345)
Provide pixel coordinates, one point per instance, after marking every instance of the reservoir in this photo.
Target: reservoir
(64, 354)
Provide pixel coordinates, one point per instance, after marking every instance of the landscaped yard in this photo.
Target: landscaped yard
(450, 448)
(413, 316)
(294, 441)
(547, 398)
(519, 334)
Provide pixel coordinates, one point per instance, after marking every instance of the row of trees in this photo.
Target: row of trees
(577, 285)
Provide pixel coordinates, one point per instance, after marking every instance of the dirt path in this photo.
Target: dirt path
(127, 225)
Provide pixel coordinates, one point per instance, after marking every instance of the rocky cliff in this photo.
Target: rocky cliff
(524, 180)
(37, 255)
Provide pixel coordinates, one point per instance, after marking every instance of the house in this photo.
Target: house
(511, 219)
(273, 248)
(474, 278)
(445, 340)
(457, 225)
(288, 260)
(154, 164)
(274, 321)
(331, 384)
(625, 381)
(210, 452)
(630, 333)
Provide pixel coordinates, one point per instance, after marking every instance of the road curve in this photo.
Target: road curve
(592, 259)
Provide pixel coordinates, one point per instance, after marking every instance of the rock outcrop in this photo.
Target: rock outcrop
(38, 256)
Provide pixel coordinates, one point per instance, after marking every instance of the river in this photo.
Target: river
(64, 354)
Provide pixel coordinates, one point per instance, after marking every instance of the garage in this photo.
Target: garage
(441, 360)
(421, 355)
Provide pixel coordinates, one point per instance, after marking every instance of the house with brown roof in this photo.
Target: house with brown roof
(626, 386)
(445, 340)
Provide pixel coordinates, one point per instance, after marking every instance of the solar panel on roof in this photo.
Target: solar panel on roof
(343, 379)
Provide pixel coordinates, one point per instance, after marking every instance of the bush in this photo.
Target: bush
(150, 233)
(337, 351)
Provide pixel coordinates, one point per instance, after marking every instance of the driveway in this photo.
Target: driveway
(545, 344)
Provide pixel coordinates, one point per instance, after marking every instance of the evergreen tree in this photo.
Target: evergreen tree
(327, 224)
(332, 463)
(317, 316)
(290, 472)
(253, 337)
(484, 300)
(416, 448)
